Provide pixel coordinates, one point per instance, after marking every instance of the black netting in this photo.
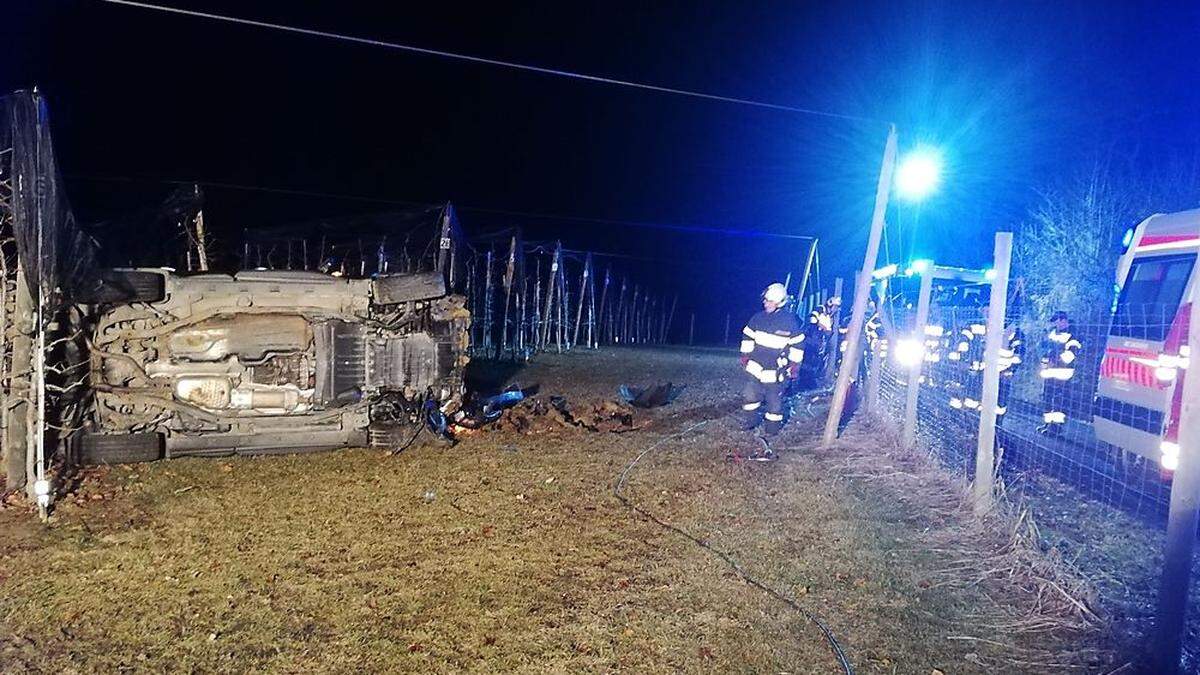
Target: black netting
(124, 242)
(415, 240)
(57, 257)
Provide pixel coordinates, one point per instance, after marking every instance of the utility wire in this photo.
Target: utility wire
(618, 492)
(635, 223)
(491, 62)
(461, 207)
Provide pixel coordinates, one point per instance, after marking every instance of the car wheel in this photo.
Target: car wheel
(117, 287)
(118, 448)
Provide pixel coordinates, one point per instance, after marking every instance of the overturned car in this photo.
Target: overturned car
(268, 362)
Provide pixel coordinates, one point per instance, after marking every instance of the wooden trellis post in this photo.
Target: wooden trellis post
(444, 251)
(670, 319)
(603, 299)
(535, 327)
(631, 321)
(583, 285)
(593, 329)
(487, 303)
(509, 272)
(858, 314)
(564, 299)
(812, 254)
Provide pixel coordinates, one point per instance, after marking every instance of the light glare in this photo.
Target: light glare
(910, 352)
(918, 175)
(1170, 455)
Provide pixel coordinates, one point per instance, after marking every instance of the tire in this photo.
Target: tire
(120, 287)
(119, 448)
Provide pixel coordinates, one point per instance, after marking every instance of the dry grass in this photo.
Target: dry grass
(509, 552)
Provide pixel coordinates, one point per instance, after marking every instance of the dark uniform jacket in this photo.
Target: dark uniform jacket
(771, 341)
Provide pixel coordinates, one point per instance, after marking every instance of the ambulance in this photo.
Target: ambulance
(1146, 355)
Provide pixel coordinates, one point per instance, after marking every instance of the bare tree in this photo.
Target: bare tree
(1067, 248)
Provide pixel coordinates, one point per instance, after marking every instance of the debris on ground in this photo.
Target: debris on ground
(480, 412)
(649, 397)
(541, 415)
(498, 570)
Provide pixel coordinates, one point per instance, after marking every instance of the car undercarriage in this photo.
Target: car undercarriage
(272, 361)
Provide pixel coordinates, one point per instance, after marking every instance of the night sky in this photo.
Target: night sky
(1017, 95)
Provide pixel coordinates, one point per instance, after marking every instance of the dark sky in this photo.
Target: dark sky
(1017, 95)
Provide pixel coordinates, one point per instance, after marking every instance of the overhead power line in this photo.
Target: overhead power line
(491, 62)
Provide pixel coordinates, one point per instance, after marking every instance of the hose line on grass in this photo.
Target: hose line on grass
(622, 480)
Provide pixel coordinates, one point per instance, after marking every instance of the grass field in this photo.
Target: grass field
(510, 551)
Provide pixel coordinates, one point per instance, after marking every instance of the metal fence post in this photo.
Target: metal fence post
(985, 460)
(862, 286)
(1181, 523)
(914, 373)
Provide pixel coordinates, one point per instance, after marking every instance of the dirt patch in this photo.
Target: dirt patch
(510, 552)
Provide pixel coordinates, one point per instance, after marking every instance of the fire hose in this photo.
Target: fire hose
(724, 557)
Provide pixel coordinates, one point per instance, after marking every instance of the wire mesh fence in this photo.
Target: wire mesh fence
(1086, 422)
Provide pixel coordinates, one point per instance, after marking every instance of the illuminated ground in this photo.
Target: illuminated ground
(509, 552)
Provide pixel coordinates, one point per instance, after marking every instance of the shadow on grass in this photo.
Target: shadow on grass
(486, 377)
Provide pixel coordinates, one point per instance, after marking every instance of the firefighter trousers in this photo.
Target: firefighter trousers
(765, 399)
(1054, 402)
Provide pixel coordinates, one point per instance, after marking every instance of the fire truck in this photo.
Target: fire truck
(1140, 389)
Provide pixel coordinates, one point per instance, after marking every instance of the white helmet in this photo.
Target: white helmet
(775, 293)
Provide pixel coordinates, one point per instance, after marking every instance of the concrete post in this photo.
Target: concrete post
(1182, 520)
(985, 460)
(19, 416)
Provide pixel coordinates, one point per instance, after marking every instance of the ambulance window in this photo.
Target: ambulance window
(1151, 296)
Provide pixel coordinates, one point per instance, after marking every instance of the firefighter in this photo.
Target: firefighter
(967, 353)
(935, 349)
(816, 338)
(822, 316)
(876, 332)
(873, 328)
(1012, 351)
(1060, 350)
(772, 350)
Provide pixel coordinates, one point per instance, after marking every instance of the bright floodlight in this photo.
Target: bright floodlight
(910, 352)
(920, 266)
(918, 175)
